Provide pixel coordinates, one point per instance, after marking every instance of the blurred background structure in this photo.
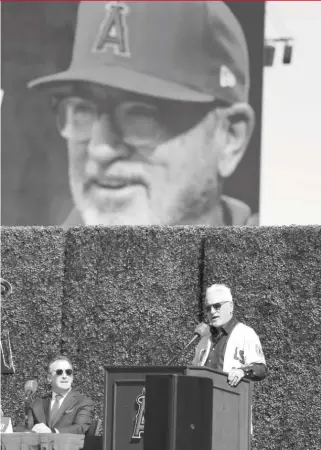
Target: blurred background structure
(290, 190)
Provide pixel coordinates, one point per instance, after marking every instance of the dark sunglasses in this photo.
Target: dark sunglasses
(68, 372)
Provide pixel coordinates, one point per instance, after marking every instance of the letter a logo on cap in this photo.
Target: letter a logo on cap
(113, 31)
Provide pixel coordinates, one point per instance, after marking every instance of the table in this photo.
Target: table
(42, 441)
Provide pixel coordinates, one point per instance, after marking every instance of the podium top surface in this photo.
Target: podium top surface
(157, 368)
(66, 436)
(165, 370)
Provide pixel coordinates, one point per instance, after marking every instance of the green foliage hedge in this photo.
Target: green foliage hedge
(275, 274)
(32, 260)
(131, 296)
(128, 294)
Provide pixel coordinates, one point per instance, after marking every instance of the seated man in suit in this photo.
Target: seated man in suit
(65, 410)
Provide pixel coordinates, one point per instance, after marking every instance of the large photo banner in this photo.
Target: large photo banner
(131, 113)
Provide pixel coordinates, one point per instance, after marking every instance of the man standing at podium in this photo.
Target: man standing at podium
(65, 410)
(229, 345)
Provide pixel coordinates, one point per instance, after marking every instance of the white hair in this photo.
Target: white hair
(220, 289)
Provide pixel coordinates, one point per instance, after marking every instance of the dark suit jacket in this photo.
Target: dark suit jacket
(74, 416)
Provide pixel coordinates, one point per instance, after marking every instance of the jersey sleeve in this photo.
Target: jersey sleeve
(253, 349)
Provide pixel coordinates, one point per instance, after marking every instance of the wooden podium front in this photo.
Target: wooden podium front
(124, 403)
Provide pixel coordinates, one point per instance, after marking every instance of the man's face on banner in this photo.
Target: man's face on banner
(134, 160)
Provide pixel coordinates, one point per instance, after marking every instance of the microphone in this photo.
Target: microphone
(200, 331)
(30, 388)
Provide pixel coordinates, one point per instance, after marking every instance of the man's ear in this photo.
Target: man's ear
(239, 122)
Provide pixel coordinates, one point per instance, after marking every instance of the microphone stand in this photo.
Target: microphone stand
(22, 426)
(182, 351)
(26, 408)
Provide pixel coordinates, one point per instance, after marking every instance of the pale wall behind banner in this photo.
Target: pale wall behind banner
(290, 190)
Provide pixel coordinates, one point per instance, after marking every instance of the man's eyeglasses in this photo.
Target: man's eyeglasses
(216, 306)
(134, 122)
(137, 122)
(59, 372)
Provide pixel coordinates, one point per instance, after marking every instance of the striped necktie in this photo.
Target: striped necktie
(54, 409)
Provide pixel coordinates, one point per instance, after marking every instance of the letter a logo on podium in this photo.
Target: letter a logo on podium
(113, 31)
(140, 417)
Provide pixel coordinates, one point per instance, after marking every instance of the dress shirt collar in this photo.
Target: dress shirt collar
(226, 328)
(54, 394)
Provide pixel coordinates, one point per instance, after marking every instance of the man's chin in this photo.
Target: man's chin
(64, 387)
(120, 217)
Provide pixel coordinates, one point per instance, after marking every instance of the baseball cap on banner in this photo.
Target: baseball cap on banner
(187, 51)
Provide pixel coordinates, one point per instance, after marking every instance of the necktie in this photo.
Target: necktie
(54, 409)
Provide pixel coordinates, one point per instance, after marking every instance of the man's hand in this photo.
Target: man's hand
(41, 428)
(235, 376)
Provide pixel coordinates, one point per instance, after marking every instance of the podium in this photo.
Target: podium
(124, 407)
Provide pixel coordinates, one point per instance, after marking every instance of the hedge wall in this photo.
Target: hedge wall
(32, 260)
(133, 296)
(275, 274)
